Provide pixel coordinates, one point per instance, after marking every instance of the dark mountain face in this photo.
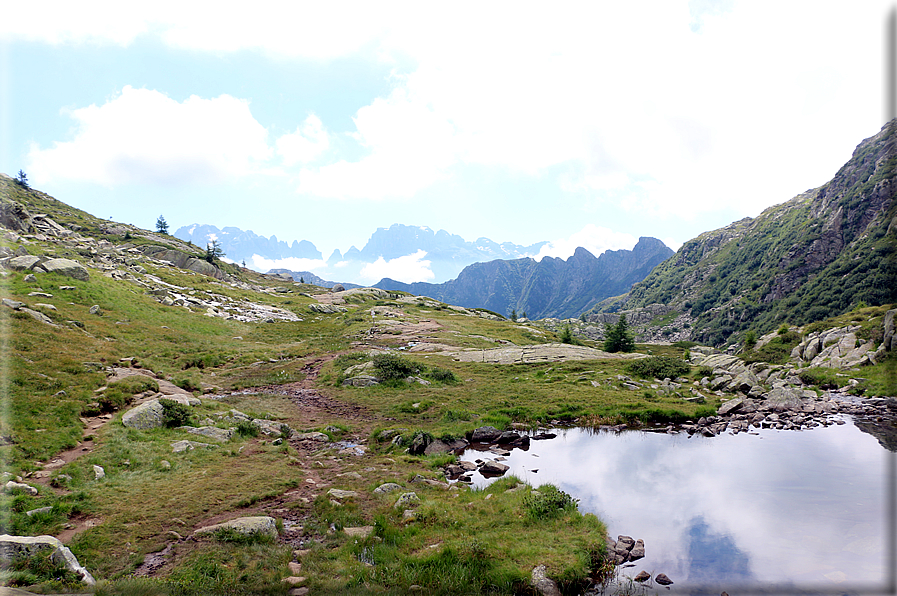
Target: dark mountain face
(547, 288)
(818, 255)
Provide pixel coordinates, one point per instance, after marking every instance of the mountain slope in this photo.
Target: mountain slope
(818, 255)
(547, 288)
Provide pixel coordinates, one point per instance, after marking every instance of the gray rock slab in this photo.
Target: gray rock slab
(66, 267)
(245, 525)
(212, 432)
(15, 547)
(387, 488)
(145, 416)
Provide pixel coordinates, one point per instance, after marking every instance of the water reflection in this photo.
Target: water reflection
(778, 508)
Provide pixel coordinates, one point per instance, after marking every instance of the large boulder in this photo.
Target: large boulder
(17, 547)
(145, 416)
(485, 434)
(889, 341)
(66, 267)
(14, 216)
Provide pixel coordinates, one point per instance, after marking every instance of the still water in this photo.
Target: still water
(778, 511)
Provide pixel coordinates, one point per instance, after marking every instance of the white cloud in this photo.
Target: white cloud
(142, 136)
(594, 239)
(261, 263)
(408, 269)
(306, 144)
(657, 108)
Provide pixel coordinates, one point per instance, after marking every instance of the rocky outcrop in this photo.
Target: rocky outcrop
(248, 526)
(16, 547)
(66, 267)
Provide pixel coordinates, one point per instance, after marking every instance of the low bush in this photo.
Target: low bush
(391, 367)
(175, 414)
(548, 501)
(824, 378)
(442, 375)
(247, 429)
(659, 367)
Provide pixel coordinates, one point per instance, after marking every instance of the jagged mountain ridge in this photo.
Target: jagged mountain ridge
(551, 287)
(818, 255)
(447, 253)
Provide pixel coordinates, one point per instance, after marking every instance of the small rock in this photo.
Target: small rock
(643, 576)
(662, 579)
(387, 488)
(98, 472)
(542, 583)
(95, 310)
(341, 494)
(39, 510)
(406, 500)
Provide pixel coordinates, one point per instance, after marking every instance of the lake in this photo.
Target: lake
(774, 511)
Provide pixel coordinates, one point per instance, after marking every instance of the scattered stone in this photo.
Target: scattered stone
(182, 446)
(98, 473)
(485, 434)
(359, 532)
(643, 576)
(493, 468)
(407, 500)
(542, 583)
(341, 494)
(662, 579)
(387, 488)
(38, 510)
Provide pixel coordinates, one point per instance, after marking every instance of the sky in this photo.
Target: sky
(583, 124)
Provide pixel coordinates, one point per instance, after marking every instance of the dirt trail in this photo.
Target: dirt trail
(319, 462)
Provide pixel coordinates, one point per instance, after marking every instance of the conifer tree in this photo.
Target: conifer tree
(617, 338)
(161, 225)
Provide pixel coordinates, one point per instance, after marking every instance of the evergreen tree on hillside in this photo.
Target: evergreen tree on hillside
(213, 251)
(617, 338)
(161, 225)
(22, 179)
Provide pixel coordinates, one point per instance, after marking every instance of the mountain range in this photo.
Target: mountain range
(820, 254)
(551, 287)
(446, 254)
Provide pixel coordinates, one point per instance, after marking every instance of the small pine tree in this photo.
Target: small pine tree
(302, 280)
(513, 314)
(617, 338)
(22, 179)
(213, 251)
(566, 335)
(161, 225)
(523, 315)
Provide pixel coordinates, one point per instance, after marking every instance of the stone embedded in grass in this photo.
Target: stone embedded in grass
(247, 526)
(387, 488)
(98, 473)
(542, 583)
(17, 547)
(341, 494)
(38, 510)
(359, 532)
(407, 500)
(145, 416)
(216, 434)
(66, 267)
(181, 446)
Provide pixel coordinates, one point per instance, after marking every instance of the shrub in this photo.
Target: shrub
(175, 414)
(824, 378)
(247, 429)
(391, 367)
(750, 339)
(442, 375)
(548, 501)
(658, 366)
